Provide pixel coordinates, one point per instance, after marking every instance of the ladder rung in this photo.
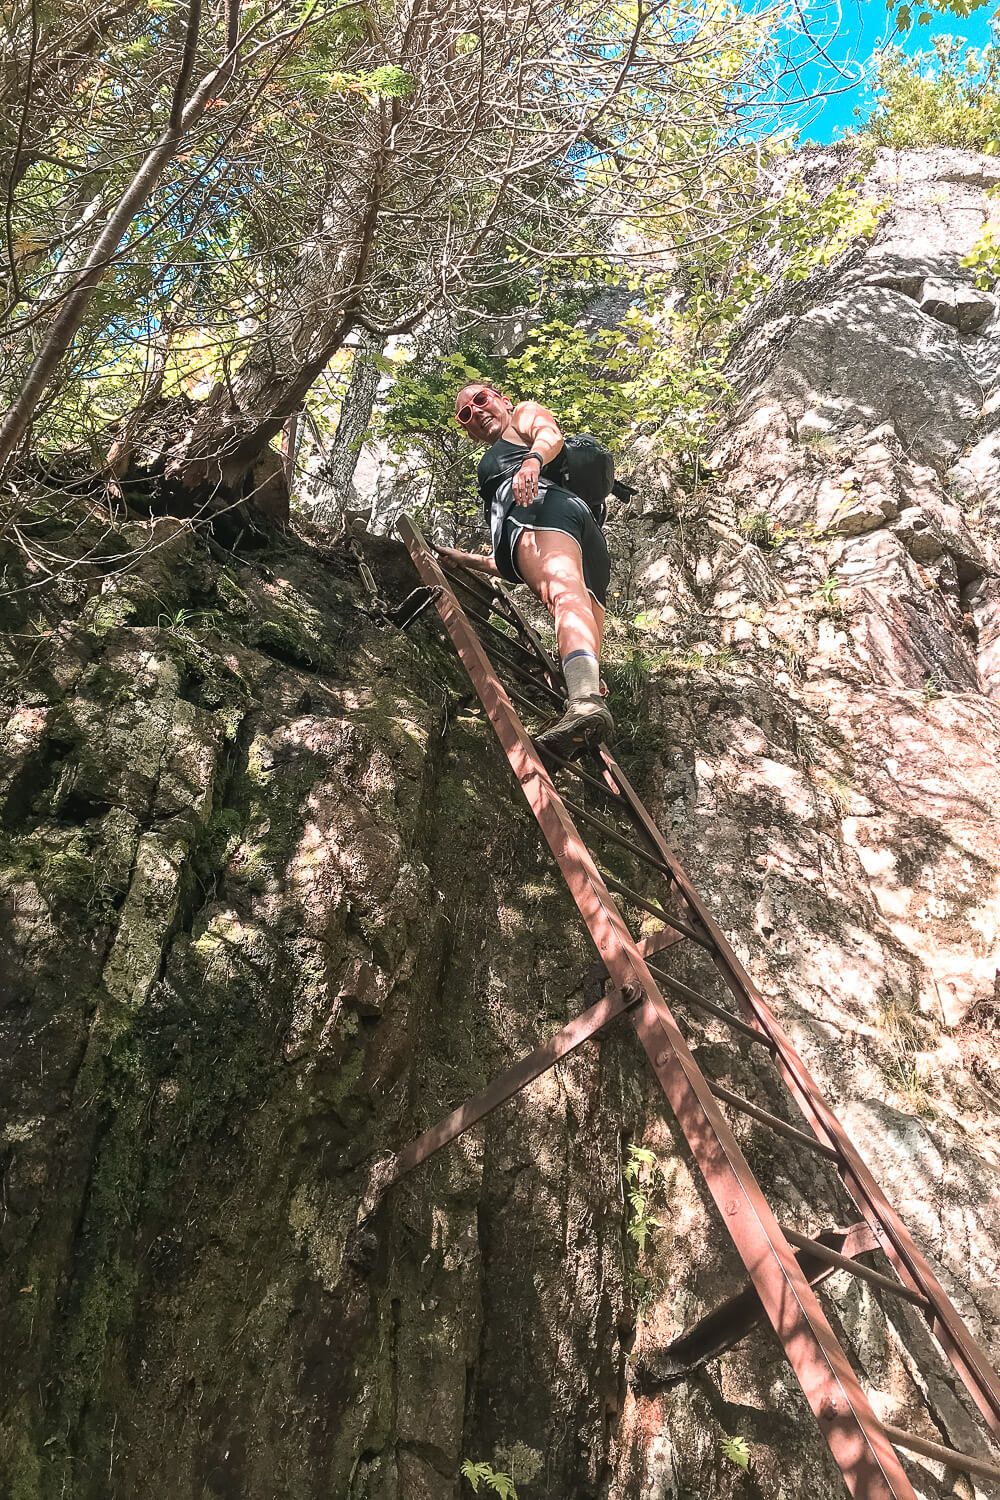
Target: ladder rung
(467, 580)
(677, 987)
(527, 676)
(608, 832)
(515, 666)
(779, 1126)
(654, 911)
(502, 635)
(967, 1462)
(521, 698)
(575, 769)
(524, 625)
(847, 1263)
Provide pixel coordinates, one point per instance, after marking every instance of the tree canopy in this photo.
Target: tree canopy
(945, 95)
(206, 200)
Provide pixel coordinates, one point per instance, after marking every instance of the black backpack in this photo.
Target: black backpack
(586, 467)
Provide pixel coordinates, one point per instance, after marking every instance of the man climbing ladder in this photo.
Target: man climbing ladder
(547, 537)
(784, 1266)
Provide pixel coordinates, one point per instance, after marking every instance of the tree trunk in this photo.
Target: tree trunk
(289, 447)
(337, 472)
(73, 308)
(206, 455)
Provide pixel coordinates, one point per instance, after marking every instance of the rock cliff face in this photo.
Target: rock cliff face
(836, 785)
(272, 904)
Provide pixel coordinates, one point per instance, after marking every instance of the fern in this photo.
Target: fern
(737, 1452)
(484, 1473)
(641, 1176)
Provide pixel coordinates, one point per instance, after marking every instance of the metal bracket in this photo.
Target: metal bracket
(733, 1319)
(412, 607)
(401, 615)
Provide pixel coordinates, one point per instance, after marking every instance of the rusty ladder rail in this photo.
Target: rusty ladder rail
(782, 1265)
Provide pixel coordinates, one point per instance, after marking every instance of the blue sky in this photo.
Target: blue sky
(865, 27)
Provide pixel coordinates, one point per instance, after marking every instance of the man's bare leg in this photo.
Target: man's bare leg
(551, 566)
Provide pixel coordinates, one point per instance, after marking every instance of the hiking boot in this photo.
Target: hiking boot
(585, 722)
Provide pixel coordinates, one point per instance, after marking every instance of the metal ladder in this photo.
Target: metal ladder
(782, 1265)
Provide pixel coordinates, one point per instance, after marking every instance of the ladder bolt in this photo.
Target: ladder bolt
(662, 1058)
(828, 1410)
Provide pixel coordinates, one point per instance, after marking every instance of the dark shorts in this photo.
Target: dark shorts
(558, 510)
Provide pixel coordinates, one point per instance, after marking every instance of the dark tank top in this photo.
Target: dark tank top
(500, 462)
(497, 468)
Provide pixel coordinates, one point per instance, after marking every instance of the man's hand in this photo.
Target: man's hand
(474, 560)
(526, 480)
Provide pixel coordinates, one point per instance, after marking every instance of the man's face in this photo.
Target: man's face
(481, 413)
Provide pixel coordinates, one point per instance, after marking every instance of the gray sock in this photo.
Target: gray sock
(582, 672)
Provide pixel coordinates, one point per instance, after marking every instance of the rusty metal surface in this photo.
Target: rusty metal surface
(701, 1002)
(573, 767)
(510, 1082)
(524, 625)
(583, 1028)
(970, 1463)
(869, 1464)
(733, 1319)
(635, 899)
(772, 1121)
(841, 1262)
(966, 1355)
(606, 831)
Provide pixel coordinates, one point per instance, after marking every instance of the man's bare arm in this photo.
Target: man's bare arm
(474, 560)
(540, 430)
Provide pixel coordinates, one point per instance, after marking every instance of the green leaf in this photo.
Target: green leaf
(476, 1473)
(737, 1452)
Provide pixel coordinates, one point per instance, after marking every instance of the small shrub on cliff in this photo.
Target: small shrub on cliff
(792, 657)
(933, 687)
(189, 624)
(828, 598)
(758, 528)
(984, 257)
(905, 1030)
(947, 96)
(755, 525)
(910, 1082)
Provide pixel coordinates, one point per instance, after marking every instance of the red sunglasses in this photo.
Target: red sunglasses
(479, 400)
